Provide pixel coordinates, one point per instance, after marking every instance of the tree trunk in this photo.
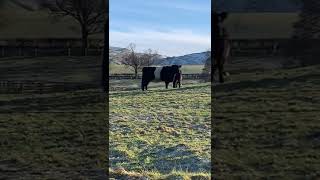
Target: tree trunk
(105, 59)
(84, 41)
(136, 72)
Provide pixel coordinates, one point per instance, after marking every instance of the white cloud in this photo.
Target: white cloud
(172, 43)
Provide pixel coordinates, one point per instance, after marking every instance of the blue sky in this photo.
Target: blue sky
(171, 27)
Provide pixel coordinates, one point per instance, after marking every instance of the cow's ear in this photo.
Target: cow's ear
(180, 66)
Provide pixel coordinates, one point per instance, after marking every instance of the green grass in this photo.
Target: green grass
(266, 124)
(56, 69)
(56, 135)
(161, 130)
(122, 69)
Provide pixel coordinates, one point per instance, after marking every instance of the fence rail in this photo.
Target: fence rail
(72, 47)
(131, 76)
(16, 86)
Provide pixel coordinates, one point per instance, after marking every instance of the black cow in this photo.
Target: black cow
(166, 73)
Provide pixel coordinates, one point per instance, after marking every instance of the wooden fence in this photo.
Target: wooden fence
(72, 47)
(39, 87)
(48, 47)
(131, 76)
(272, 47)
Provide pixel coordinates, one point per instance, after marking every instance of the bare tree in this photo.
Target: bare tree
(138, 61)
(131, 59)
(148, 57)
(90, 14)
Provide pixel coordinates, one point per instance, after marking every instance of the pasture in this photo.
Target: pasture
(265, 124)
(160, 133)
(56, 134)
(266, 121)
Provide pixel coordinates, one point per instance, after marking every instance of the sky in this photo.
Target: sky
(171, 27)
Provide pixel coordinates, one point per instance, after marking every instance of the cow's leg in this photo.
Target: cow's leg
(167, 84)
(179, 84)
(146, 85)
(142, 85)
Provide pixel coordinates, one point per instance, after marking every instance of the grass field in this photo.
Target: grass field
(122, 69)
(267, 123)
(160, 133)
(54, 135)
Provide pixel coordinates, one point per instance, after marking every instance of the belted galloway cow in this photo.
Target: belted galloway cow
(165, 73)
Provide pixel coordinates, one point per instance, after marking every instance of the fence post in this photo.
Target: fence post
(2, 51)
(69, 51)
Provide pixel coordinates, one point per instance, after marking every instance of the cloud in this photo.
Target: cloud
(170, 43)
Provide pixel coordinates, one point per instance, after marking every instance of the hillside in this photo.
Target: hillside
(189, 59)
(116, 53)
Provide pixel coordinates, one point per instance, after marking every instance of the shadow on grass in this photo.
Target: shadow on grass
(62, 102)
(167, 159)
(137, 91)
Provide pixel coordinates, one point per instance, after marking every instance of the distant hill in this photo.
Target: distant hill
(116, 53)
(189, 59)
